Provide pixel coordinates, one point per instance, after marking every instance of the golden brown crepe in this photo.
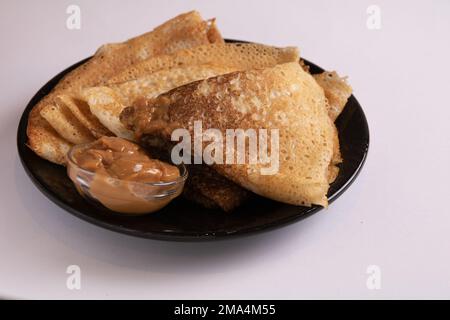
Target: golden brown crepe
(49, 121)
(211, 190)
(337, 92)
(284, 98)
(107, 102)
(239, 55)
(80, 110)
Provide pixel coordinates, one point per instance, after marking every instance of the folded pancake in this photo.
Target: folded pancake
(107, 102)
(283, 98)
(239, 55)
(336, 90)
(45, 135)
(80, 110)
(65, 123)
(212, 190)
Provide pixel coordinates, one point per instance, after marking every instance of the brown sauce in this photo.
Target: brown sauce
(123, 174)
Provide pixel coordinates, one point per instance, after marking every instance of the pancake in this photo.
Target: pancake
(65, 123)
(336, 90)
(204, 185)
(80, 110)
(184, 31)
(283, 98)
(107, 102)
(240, 56)
(212, 190)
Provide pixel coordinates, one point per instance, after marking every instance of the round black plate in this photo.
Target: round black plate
(182, 220)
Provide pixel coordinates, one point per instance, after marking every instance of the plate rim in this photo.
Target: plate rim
(169, 236)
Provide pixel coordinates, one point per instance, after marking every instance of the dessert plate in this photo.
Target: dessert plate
(182, 220)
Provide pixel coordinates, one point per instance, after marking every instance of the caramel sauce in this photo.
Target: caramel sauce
(122, 175)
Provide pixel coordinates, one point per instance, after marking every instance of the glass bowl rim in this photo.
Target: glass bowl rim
(182, 178)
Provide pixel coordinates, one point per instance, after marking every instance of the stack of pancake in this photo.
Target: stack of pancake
(172, 63)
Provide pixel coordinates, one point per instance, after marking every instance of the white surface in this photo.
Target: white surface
(395, 215)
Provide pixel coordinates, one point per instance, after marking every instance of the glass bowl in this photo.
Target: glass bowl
(123, 196)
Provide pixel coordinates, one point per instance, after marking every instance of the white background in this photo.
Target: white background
(395, 215)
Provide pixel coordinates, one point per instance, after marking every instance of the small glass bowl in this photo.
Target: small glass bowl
(128, 197)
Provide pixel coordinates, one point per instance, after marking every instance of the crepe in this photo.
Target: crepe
(80, 110)
(45, 135)
(107, 102)
(64, 122)
(336, 90)
(239, 55)
(283, 98)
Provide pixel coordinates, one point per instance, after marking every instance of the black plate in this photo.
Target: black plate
(182, 220)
